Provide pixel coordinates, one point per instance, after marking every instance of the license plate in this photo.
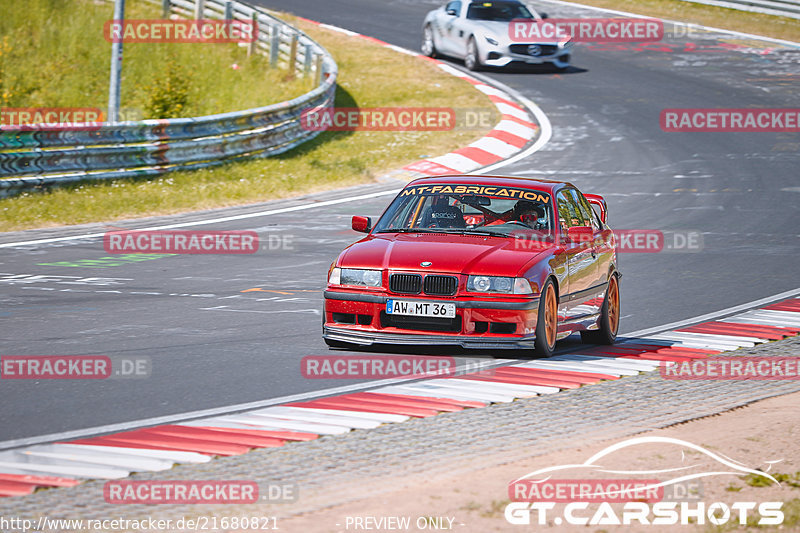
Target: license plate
(417, 308)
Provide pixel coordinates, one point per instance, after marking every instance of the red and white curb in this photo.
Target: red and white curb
(516, 128)
(153, 449)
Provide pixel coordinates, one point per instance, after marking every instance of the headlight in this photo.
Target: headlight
(335, 277)
(498, 284)
(491, 41)
(356, 276)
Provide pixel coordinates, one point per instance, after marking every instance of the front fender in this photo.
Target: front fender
(551, 265)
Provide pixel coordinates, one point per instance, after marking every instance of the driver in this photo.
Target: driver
(529, 213)
(524, 211)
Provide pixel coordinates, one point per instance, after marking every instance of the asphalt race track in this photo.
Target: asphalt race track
(228, 329)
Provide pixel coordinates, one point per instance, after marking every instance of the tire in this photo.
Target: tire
(547, 321)
(472, 60)
(428, 46)
(609, 317)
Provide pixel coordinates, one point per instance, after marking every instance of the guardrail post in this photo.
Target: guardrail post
(293, 55)
(307, 63)
(274, 45)
(318, 70)
(229, 10)
(165, 9)
(251, 46)
(199, 9)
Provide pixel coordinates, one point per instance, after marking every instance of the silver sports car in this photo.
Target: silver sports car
(478, 33)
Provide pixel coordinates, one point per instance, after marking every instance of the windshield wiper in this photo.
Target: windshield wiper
(449, 231)
(457, 231)
(406, 230)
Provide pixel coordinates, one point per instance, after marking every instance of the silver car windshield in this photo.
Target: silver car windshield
(498, 11)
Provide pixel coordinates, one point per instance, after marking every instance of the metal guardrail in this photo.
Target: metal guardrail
(782, 8)
(44, 157)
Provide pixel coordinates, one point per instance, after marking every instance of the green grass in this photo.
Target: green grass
(790, 480)
(717, 17)
(53, 54)
(369, 76)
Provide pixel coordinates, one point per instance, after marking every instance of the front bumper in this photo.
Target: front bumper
(501, 56)
(360, 318)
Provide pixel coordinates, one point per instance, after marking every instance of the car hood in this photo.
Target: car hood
(455, 254)
(499, 31)
(491, 28)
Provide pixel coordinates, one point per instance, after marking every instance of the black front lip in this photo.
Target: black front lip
(460, 304)
(366, 338)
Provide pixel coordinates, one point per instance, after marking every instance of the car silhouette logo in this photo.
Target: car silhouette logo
(535, 50)
(425, 264)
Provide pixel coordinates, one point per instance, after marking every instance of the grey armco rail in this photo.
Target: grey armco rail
(49, 156)
(782, 8)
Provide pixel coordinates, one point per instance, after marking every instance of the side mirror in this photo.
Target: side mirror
(361, 224)
(452, 12)
(596, 199)
(544, 15)
(580, 234)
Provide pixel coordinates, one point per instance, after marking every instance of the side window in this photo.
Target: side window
(589, 216)
(454, 6)
(568, 211)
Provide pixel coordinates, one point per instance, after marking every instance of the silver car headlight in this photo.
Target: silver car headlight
(492, 41)
(356, 276)
(499, 284)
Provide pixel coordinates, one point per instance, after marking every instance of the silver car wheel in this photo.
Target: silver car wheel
(471, 61)
(428, 48)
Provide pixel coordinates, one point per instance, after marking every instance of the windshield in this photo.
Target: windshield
(468, 209)
(498, 11)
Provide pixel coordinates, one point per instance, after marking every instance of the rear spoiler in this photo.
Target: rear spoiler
(600, 202)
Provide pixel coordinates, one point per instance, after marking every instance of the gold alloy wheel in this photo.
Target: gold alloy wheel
(550, 316)
(612, 297)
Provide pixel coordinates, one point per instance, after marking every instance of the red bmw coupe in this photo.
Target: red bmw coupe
(480, 262)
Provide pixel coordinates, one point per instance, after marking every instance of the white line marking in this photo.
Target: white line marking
(715, 314)
(257, 214)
